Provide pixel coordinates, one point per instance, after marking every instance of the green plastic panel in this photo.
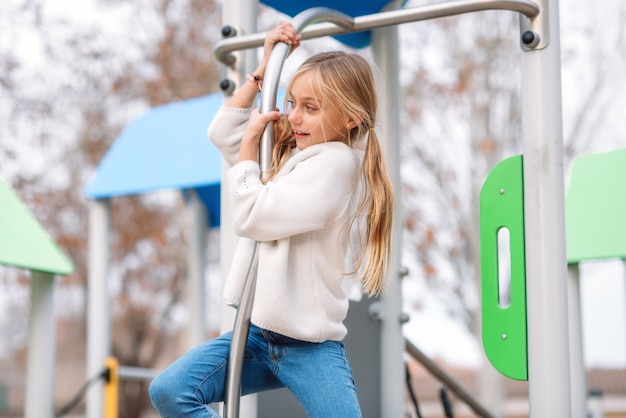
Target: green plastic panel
(23, 241)
(596, 207)
(504, 327)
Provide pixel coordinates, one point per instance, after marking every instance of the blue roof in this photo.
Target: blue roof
(349, 7)
(166, 148)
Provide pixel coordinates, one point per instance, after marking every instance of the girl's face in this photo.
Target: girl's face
(312, 120)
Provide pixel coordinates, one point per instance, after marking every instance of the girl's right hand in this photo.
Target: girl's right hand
(284, 32)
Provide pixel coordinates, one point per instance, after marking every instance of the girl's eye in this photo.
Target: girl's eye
(291, 105)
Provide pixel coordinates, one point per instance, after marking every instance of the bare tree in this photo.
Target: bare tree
(65, 113)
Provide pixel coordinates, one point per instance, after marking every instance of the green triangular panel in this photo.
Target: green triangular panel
(596, 207)
(23, 241)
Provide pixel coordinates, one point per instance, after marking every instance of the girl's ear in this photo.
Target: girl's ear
(351, 124)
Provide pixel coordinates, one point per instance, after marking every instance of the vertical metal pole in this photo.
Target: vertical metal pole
(544, 208)
(577, 360)
(41, 347)
(385, 46)
(98, 317)
(197, 244)
(242, 14)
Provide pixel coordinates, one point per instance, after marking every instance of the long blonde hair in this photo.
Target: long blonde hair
(346, 81)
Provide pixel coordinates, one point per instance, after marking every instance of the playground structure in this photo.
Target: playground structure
(543, 197)
(541, 120)
(550, 353)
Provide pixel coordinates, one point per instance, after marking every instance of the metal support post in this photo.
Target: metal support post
(385, 45)
(98, 317)
(242, 16)
(41, 347)
(196, 260)
(544, 208)
(577, 360)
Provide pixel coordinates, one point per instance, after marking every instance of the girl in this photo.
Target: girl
(327, 179)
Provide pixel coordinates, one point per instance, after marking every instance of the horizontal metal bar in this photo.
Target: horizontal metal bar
(376, 20)
(136, 373)
(447, 380)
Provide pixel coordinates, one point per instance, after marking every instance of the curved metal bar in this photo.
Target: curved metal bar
(376, 20)
(239, 340)
(268, 103)
(275, 67)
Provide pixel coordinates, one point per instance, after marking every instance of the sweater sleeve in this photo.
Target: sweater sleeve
(314, 190)
(226, 130)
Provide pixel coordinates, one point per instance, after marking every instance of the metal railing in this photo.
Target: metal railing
(449, 381)
(377, 20)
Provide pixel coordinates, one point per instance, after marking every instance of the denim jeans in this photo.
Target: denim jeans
(318, 374)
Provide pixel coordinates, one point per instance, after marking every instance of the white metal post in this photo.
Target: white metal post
(385, 46)
(98, 317)
(243, 15)
(577, 360)
(544, 209)
(197, 215)
(41, 347)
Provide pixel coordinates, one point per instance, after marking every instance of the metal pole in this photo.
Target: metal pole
(377, 20)
(98, 320)
(195, 258)
(544, 208)
(268, 103)
(239, 340)
(577, 360)
(242, 15)
(385, 46)
(41, 347)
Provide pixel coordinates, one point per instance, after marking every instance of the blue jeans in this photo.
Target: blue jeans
(318, 374)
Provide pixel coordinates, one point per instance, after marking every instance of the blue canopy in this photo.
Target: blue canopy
(165, 148)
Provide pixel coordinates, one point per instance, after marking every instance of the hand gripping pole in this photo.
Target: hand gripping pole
(268, 104)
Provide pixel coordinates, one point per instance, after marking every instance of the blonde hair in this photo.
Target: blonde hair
(346, 81)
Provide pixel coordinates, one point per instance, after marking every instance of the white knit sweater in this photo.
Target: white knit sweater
(301, 220)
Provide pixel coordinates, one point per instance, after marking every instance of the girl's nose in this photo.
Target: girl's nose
(293, 116)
